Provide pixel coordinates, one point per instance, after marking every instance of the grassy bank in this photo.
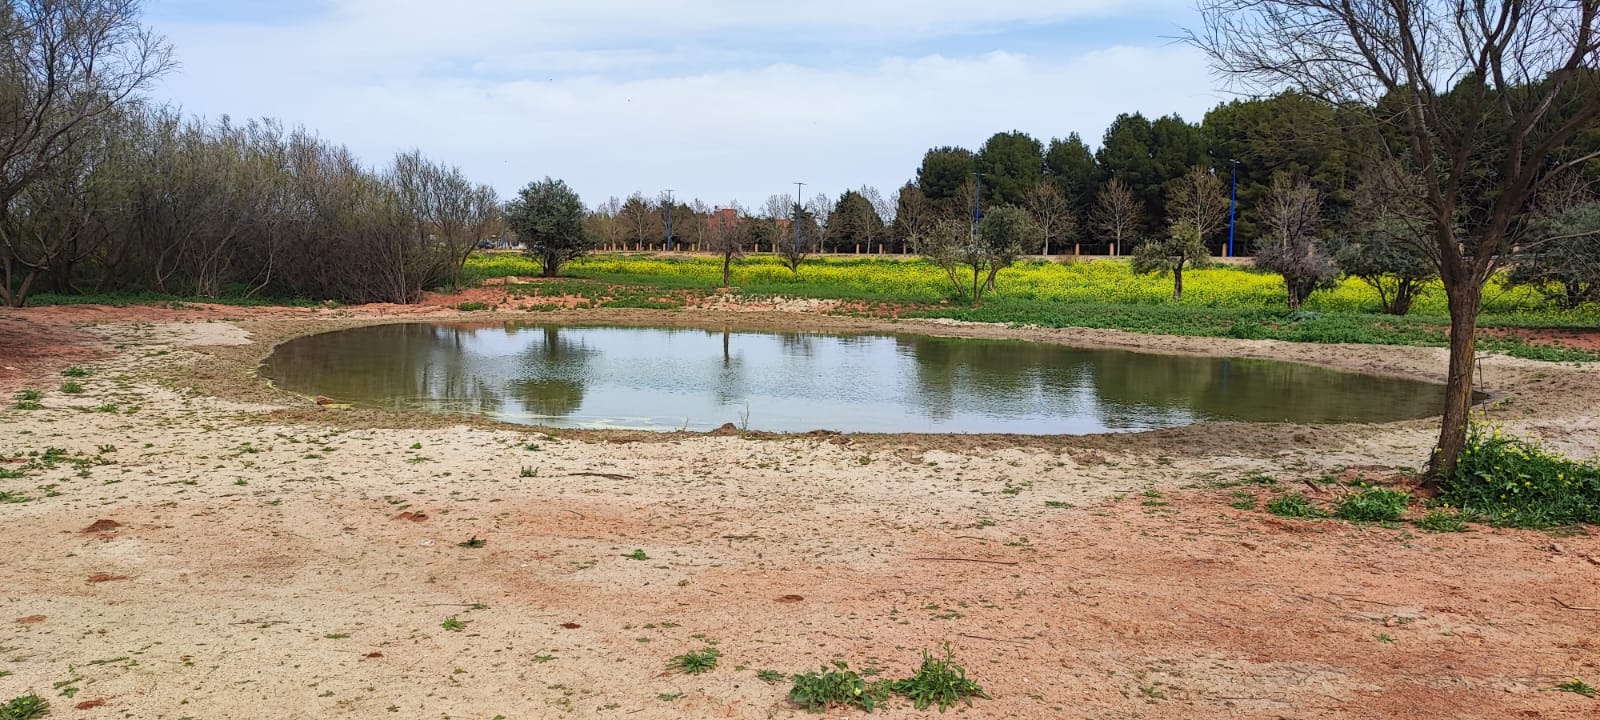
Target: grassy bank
(1218, 302)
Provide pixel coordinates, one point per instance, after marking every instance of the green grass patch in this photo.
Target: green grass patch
(1294, 505)
(1442, 521)
(1513, 482)
(1373, 505)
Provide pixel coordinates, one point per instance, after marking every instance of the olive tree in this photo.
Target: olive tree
(1181, 248)
(548, 217)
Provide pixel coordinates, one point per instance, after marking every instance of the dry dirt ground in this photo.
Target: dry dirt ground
(204, 546)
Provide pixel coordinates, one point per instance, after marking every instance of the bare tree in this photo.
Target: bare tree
(1117, 214)
(1292, 216)
(639, 219)
(728, 238)
(63, 64)
(1197, 201)
(1483, 96)
(1389, 245)
(1051, 210)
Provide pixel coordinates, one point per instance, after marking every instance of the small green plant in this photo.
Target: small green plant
(1373, 505)
(75, 372)
(669, 697)
(769, 676)
(637, 555)
(25, 707)
(695, 663)
(1577, 686)
(528, 472)
(453, 624)
(1443, 521)
(475, 542)
(10, 498)
(29, 395)
(472, 306)
(1385, 638)
(1294, 505)
(71, 388)
(840, 686)
(940, 681)
(1243, 500)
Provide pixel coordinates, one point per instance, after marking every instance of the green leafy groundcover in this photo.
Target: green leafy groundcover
(1510, 481)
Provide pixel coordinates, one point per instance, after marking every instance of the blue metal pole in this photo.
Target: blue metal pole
(1233, 204)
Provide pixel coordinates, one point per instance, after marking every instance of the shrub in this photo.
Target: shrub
(1510, 481)
(24, 707)
(472, 306)
(1294, 505)
(1373, 505)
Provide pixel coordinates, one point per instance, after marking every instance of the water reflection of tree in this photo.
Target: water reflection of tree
(729, 384)
(552, 374)
(1127, 389)
(399, 367)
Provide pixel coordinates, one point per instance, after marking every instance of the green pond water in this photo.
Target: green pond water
(667, 379)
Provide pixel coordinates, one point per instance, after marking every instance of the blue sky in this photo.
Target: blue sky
(718, 99)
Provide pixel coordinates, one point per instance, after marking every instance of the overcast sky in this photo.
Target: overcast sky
(718, 99)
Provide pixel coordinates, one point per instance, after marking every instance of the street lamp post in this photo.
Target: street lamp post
(1233, 204)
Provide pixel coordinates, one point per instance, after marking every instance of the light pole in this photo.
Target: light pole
(666, 211)
(799, 203)
(1233, 204)
(977, 203)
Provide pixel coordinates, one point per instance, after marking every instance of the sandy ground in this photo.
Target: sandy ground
(207, 547)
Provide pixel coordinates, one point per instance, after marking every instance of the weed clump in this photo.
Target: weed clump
(1373, 505)
(939, 682)
(1443, 521)
(1294, 505)
(840, 686)
(695, 663)
(25, 707)
(1513, 482)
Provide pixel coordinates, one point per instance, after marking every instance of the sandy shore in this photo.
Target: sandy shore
(205, 546)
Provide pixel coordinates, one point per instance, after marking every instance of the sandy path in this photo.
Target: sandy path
(257, 566)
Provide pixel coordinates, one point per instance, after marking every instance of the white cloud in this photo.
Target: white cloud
(578, 99)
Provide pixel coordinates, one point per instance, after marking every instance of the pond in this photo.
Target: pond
(697, 379)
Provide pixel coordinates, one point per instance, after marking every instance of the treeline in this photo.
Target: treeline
(103, 192)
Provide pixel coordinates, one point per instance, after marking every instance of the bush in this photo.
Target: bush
(1373, 505)
(1510, 481)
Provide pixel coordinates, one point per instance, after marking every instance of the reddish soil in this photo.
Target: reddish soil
(1575, 339)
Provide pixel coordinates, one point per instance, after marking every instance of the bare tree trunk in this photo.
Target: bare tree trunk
(1465, 299)
(1177, 282)
(727, 260)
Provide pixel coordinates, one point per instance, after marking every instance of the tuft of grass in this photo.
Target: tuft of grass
(472, 306)
(837, 687)
(75, 372)
(769, 676)
(71, 388)
(475, 542)
(1242, 500)
(637, 555)
(1443, 521)
(1373, 505)
(1294, 505)
(940, 681)
(25, 707)
(453, 624)
(695, 663)
(1577, 686)
(1513, 482)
